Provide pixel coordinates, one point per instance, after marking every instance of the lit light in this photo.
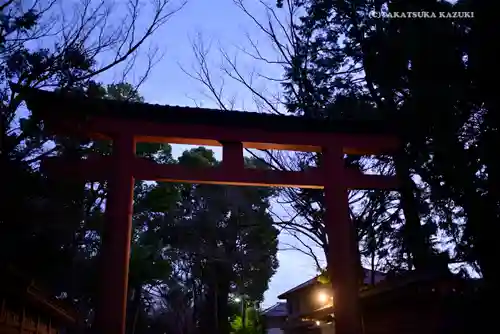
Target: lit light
(318, 323)
(323, 297)
(237, 299)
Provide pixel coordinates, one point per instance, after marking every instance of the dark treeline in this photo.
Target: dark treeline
(195, 248)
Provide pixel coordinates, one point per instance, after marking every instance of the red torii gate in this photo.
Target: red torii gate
(127, 123)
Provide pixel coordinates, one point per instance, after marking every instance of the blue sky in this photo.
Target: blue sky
(222, 23)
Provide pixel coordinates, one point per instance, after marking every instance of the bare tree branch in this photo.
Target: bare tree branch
(280, 29)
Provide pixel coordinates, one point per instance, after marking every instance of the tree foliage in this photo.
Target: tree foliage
(354, 65)
(192, 245)
(340, 62)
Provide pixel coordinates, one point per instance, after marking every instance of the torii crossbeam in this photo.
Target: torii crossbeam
(126, 123)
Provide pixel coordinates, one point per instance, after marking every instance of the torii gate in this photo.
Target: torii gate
(126, 123)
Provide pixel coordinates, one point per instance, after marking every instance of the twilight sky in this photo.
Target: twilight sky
(222, 25)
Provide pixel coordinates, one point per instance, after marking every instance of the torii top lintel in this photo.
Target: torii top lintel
(71, 114)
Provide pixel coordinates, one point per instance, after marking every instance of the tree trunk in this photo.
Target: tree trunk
(134, 308)
(223, 285)
(481, 211)
(207, 313)
(243, 312)
(372, 274)
(487, 228)
(414, 239)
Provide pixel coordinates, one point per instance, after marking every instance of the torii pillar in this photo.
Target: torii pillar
(342, 260)
(115, 246)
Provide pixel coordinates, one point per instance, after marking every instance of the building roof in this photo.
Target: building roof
(378, 276)
(277, 310)
(57, 104)
(19, 287)
(427, 282)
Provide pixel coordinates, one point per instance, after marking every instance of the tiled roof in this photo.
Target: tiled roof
(18, 286)
(277, 310)
(379, 276)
